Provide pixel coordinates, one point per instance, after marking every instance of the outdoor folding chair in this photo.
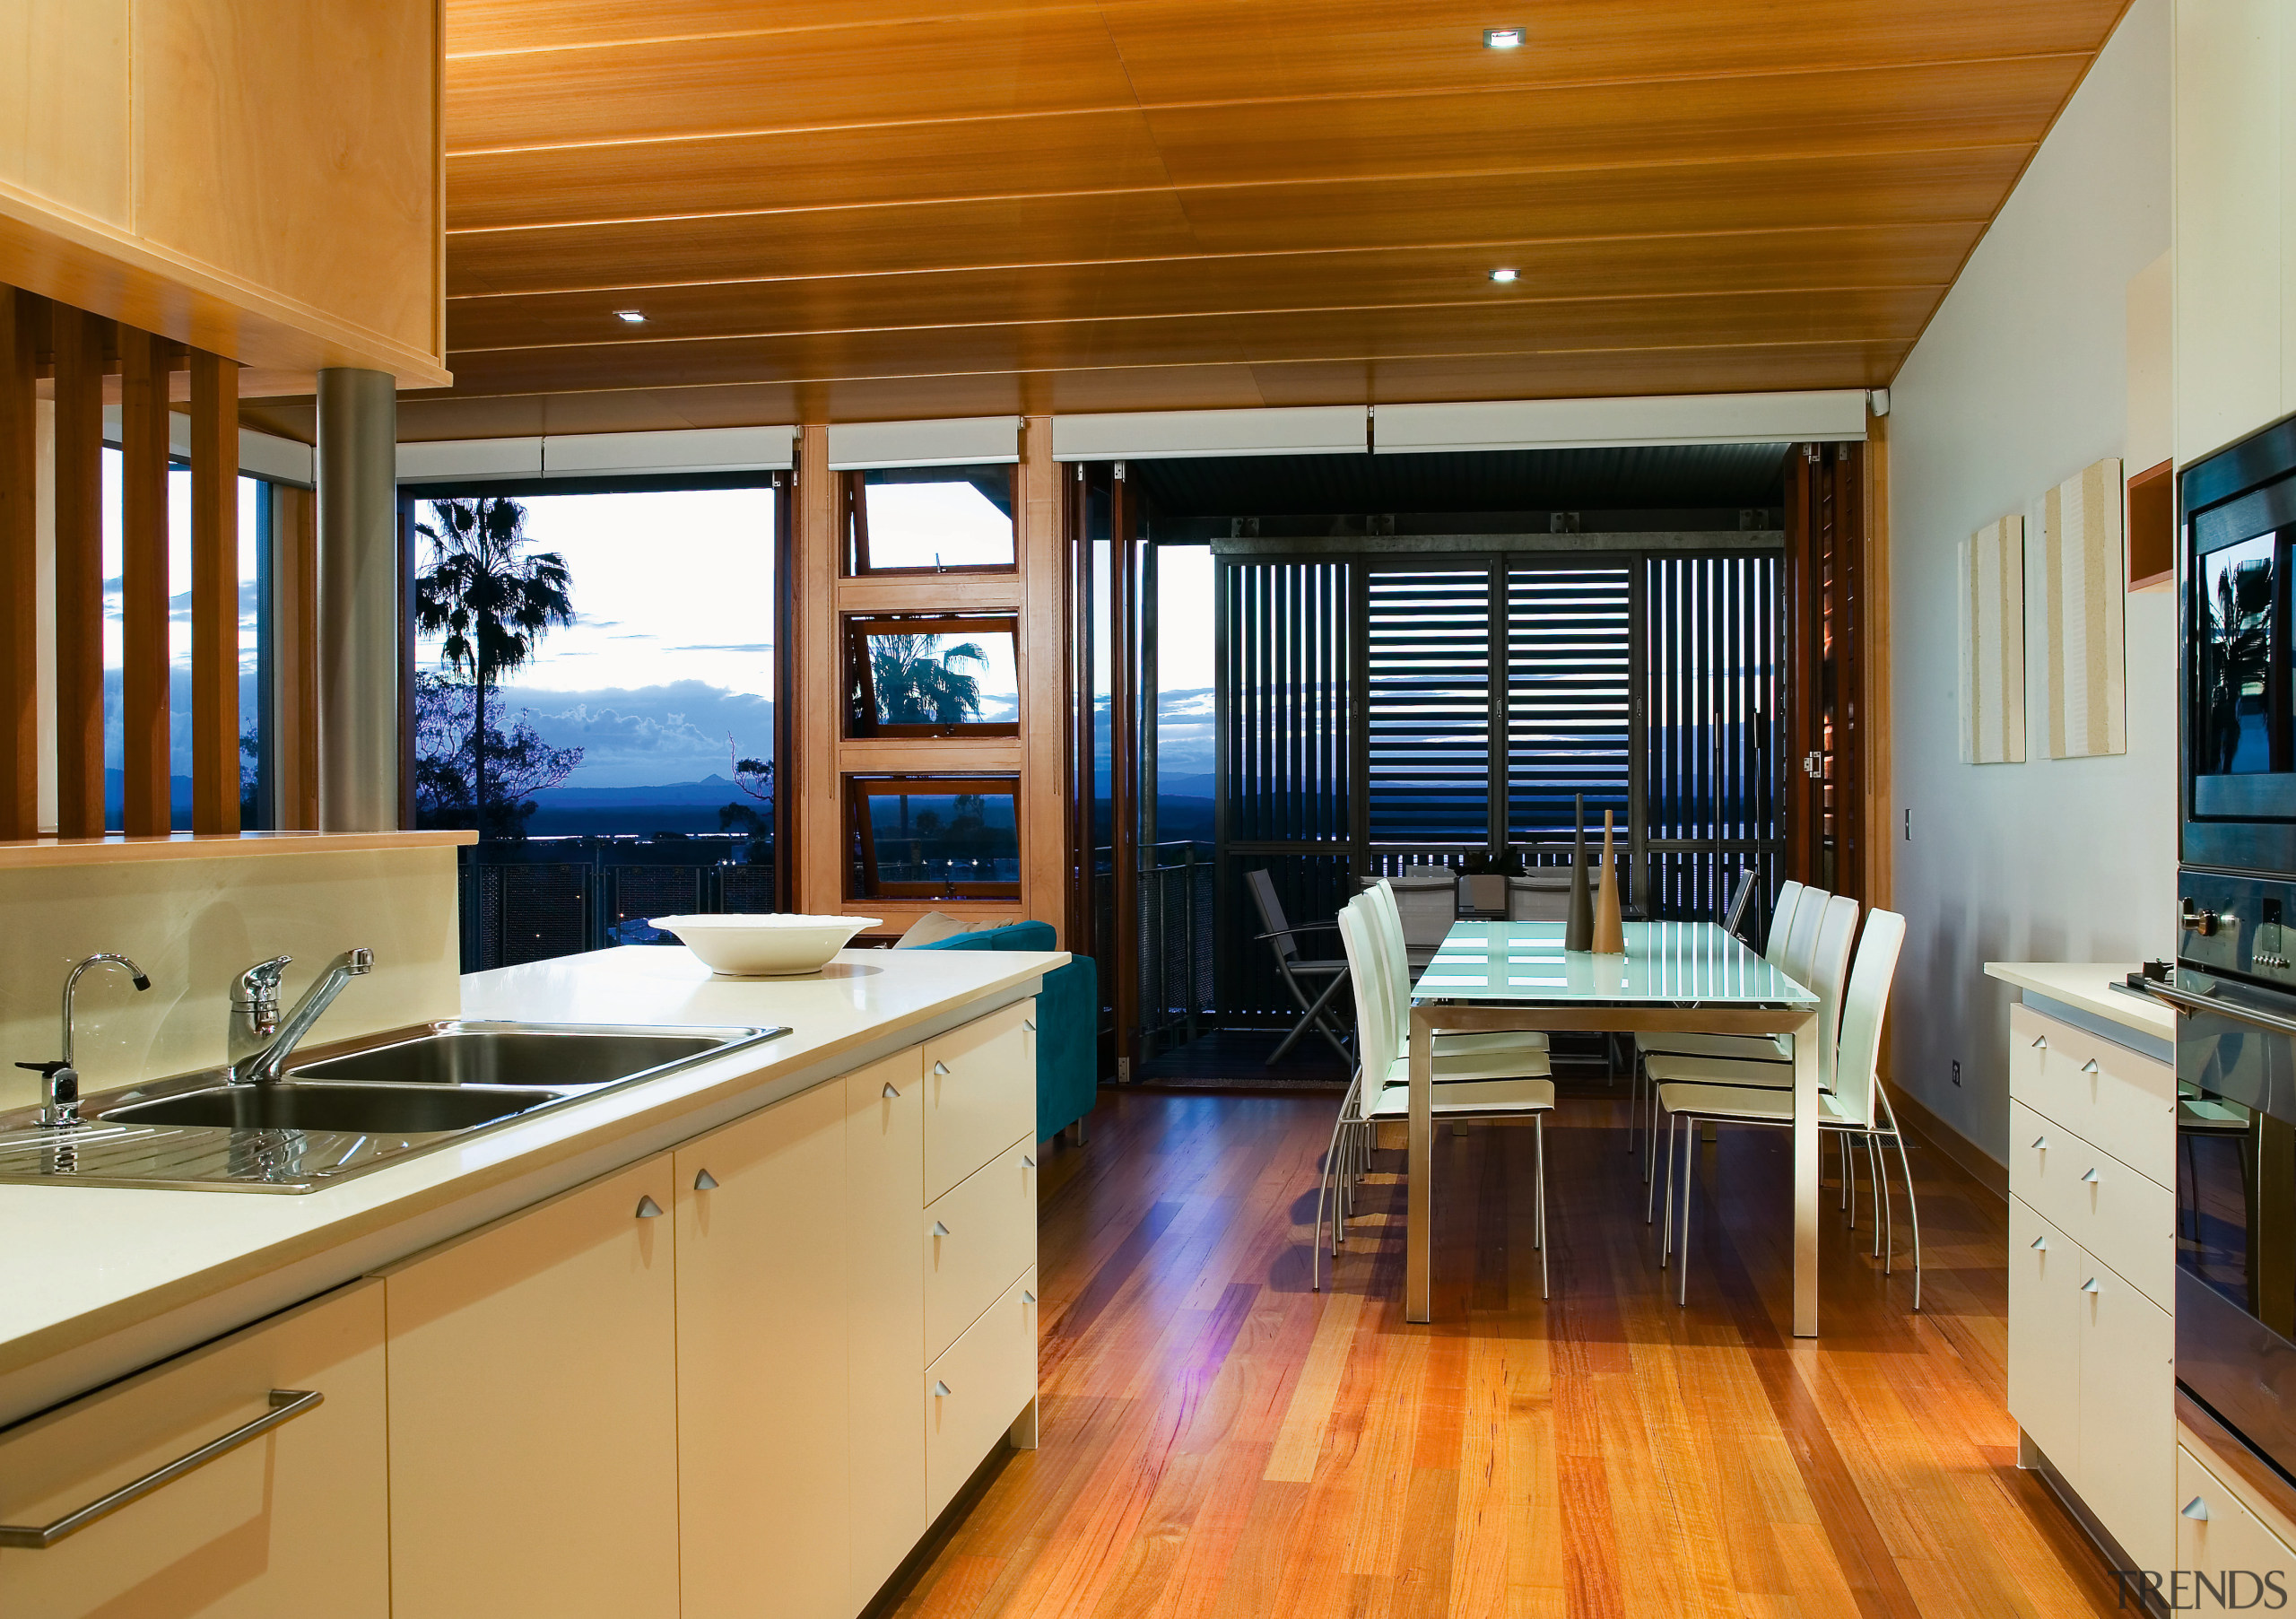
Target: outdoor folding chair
(1313, 983)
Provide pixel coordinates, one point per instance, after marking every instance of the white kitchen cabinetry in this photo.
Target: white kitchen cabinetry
(534, 1410)
(295, 1517)
(974, 1100)
(2091, 1252)
(764, 1295)
(2235, 236)
(884, 1170)
(2223, 1539)
(976, 1387)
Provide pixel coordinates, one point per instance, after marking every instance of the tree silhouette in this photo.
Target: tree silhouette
(916, 684)
(445, 755)
(488, 601)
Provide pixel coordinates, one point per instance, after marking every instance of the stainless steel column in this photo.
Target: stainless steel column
(360, 598)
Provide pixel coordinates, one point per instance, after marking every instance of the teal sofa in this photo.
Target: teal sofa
(1068, 1016)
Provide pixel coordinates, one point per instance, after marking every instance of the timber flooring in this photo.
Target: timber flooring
(1220, 1440)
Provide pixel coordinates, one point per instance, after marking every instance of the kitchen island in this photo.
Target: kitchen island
(844, 1203)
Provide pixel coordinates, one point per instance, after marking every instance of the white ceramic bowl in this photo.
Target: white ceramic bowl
(765, 946)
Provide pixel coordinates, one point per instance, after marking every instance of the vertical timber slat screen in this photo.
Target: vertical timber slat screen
(1569, 698)
(1714, 679)
(1427, 706)
(1282, 763)
(1487, 693)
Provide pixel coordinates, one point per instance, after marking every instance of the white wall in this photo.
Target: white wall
(2021, 381)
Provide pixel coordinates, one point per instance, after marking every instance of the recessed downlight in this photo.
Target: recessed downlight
(1502, 276)
(636, 317)
(1502, 39)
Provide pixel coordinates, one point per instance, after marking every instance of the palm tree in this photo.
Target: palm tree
(488, 603)
(916, 684)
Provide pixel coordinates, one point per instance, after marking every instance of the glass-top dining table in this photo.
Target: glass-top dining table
(1674, 976)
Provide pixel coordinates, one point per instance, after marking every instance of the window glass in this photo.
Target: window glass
(934, 837)
(932, 672)
(931, 517)
(253, 513)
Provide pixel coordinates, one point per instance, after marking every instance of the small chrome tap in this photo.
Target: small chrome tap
(260, 1040)
(59, 1080)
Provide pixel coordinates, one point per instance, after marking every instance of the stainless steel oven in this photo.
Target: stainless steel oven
(2239, 772)
(2235, 993)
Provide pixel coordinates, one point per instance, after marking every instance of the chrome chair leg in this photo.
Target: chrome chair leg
(1538, 1122)
(1326, 1189)
(1690, 1159)
(1912, 1211)
(1849, 1182)
(1666, 1235)
(1881, 1217)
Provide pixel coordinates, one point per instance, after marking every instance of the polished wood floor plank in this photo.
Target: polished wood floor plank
(1221, 1442)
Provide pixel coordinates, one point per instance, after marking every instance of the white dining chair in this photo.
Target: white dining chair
(1857, 1107)
(1473, 1087)
(1767, 1064)
(1496, 1051)
(1777, 950)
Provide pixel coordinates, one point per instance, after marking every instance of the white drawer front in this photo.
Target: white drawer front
(978, 1238)
(2046, 1161)
(980, 1092)
(2046, 1270)
(2220, 1541)
(2128, 1422)
(973, 1393)
(2123, 1102)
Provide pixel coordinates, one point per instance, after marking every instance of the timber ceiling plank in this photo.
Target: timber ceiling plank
(1663, 201)
(1875, 255)
(874, 208)
(1737, 319)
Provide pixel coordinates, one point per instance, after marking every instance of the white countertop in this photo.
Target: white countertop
(95, 1282)
(2088, 986)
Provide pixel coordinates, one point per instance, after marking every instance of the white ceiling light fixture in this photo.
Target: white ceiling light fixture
(1502, 39)
(636, 317)
(1502, 276)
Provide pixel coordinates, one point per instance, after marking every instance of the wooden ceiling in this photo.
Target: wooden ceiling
(854, 209)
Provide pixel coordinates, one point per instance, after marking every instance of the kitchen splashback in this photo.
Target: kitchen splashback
(192, 924)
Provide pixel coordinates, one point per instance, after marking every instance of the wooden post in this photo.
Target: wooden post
(144, 361)
(19, 566)
(1124, 764)
(816, 689)
(78, 340)
(295, 702)
(214, 594)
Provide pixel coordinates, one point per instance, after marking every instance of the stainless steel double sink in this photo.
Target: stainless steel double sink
(339, 1116)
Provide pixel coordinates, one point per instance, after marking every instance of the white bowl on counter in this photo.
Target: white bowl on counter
(764, 946)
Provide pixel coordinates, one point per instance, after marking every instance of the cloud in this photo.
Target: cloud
(646, 736)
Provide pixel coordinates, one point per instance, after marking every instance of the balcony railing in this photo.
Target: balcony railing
(535, 898)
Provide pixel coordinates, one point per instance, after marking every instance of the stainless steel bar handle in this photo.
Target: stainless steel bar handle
(2186, 1001)
(286, 1406)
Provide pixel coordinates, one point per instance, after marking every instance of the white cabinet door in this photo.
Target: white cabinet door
(2128, 1424)
(2045, 1276)
(885, 1177)
(2227, 254)
(762, 1451)
(289, 1523)
(977, 1240)
(2241, 1563)
(980, 1092)
(975, 1390)
(533, 1371)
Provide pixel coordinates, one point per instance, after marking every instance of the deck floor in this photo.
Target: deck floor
(1220, 1440)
